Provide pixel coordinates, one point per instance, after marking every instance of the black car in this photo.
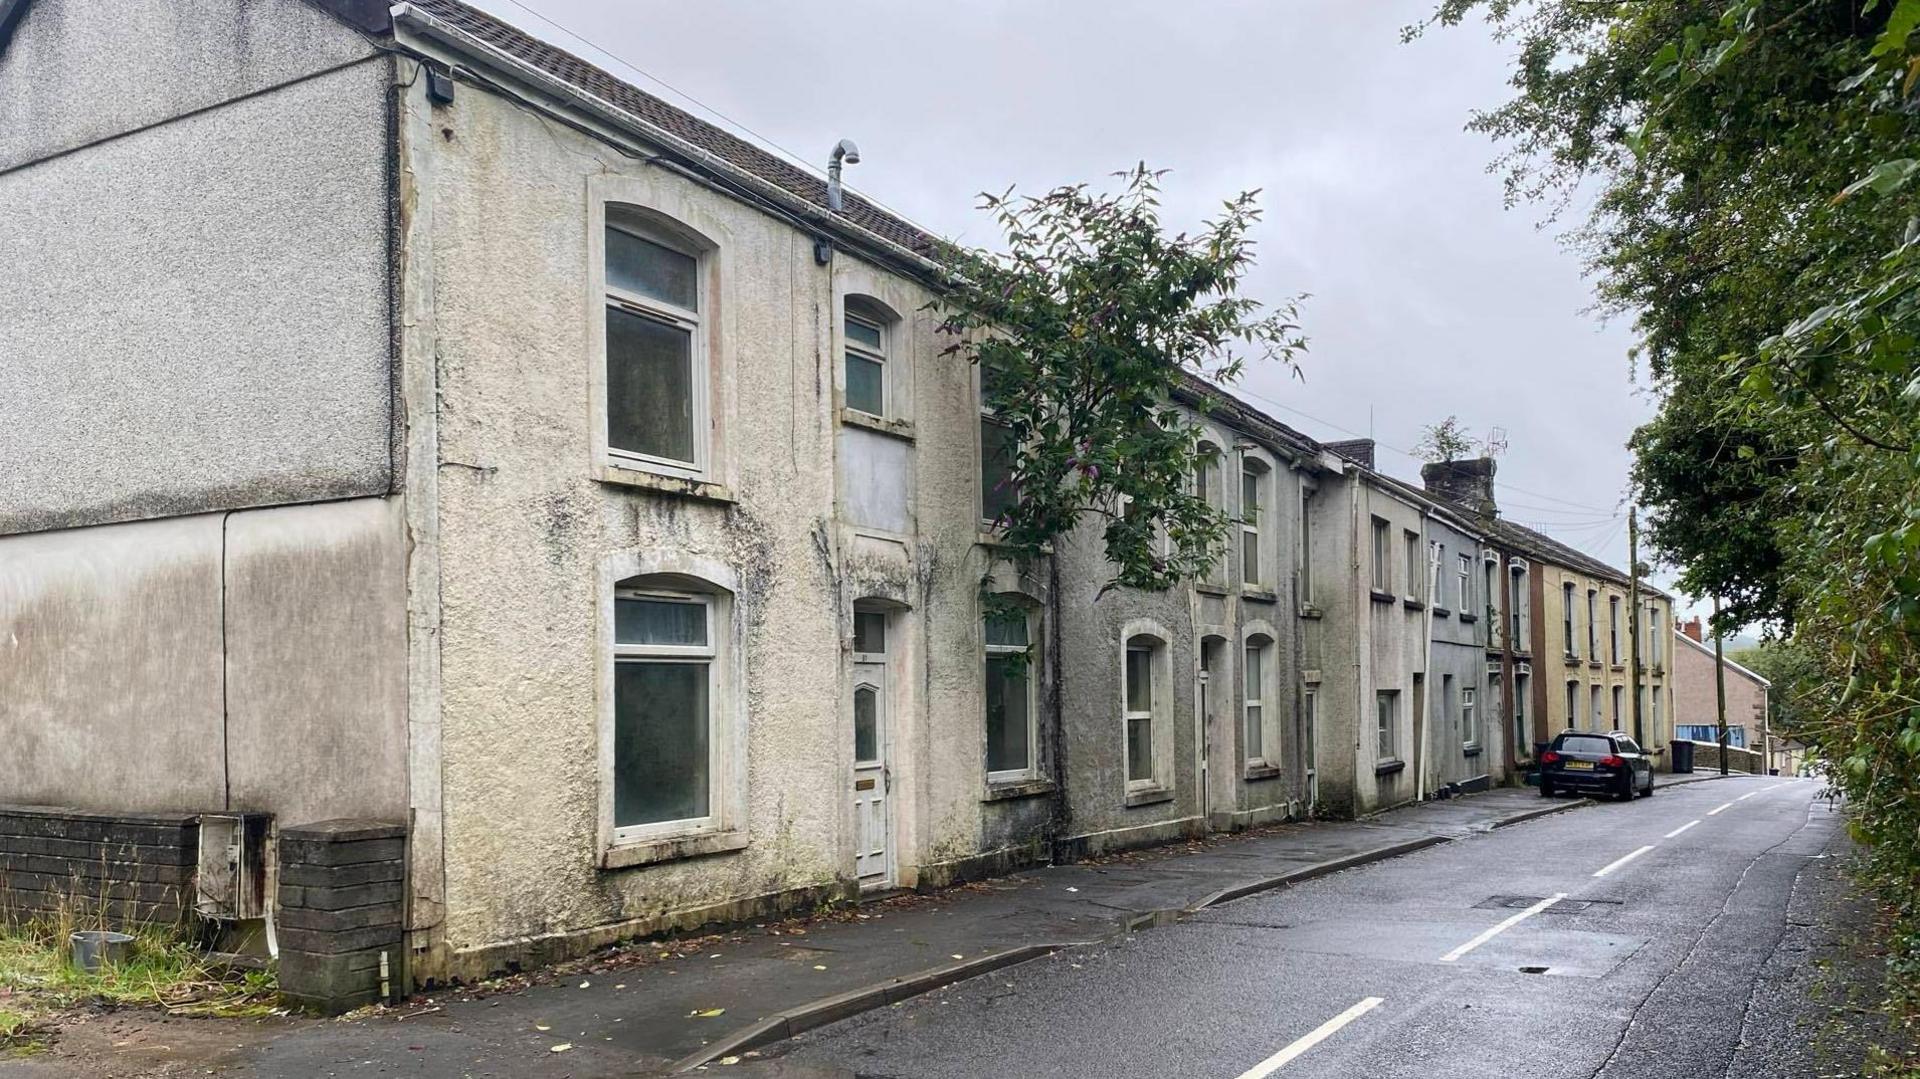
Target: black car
(1595, 764)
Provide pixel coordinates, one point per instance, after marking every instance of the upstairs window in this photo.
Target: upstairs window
(1593, 627)
(656, 348)
(1464, 579)
(1613, 629)
(1566, 602)
(866, 336)
(1306, 545)
(1207, 488)
(1382, 565)
(1253, 485)
(1416, 567)
(998, 493)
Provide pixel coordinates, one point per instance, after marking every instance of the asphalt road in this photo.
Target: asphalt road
(1662, 956)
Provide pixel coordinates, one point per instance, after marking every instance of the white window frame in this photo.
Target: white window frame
(1416, 574)
(660, 653)
(1566, 598)
(1469, 700)
(1259, 473)
(695, 322)
(1464, 601)
(1271, 749)
(677, 574)
(848, 345)
(1156, 642)
(1032, 653)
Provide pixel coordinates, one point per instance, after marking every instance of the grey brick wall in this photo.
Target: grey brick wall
(341, 904)
(123, 867)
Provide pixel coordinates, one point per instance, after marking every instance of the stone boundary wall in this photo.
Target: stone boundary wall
(1706, 758)
(341, 905)
(112, 868)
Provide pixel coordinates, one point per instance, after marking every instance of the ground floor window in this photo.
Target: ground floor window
(1010, 701)
(1259, 654)
(665, 746)
(1469, 725)
(1386, 708)
(1140, 693)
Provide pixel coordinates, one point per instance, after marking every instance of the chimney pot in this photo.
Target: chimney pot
(1467, 483)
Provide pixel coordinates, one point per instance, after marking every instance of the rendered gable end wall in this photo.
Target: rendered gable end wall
(201, 563)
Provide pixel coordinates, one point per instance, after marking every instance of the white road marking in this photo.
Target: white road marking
(1680, 829)
(1319, 1034)
(1750, 794)
(1617, 863)
(1714, 811)
(1502, 927)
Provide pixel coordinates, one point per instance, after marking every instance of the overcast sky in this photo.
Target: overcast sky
(1428, 297)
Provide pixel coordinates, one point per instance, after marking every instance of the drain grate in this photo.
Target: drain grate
(1522, 902)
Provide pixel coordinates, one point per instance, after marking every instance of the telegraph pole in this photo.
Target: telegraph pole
(1633, 617)
(1720, 684)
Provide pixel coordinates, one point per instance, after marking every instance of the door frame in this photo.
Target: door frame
(876, 669)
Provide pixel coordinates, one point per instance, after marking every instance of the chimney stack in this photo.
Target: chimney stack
(1466, 483)
(1357, 450)
(1692, 627)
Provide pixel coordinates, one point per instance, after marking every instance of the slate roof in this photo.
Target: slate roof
(736, 151)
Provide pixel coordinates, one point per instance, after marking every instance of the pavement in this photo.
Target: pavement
(739, 997)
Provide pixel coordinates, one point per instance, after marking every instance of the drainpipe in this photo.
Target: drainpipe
(1421, 752)
(844, 152)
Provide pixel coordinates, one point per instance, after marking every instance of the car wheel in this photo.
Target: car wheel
(1546, 787)
(1648, 793)
(1626, 788)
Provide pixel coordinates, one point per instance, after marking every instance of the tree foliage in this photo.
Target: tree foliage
(1450, 440)
(1084, 329)
(1757, 171)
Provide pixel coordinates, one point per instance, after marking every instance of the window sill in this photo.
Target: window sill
(1412, 604)
(1018, 788)
(1594, 664)
(988, 537)
(1572, 660)
(1442, 612)
(1388, 767)
(1308, 610)
(1381, 597)
(1465, 617)
(1619, 667)
(1471, 749)
(1260, 595)
(1146, 796)
(651, 851)
(1210, 589)
(1260, 770)
(900, 429)
(622, 476)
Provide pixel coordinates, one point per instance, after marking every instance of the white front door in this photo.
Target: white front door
(873, 860)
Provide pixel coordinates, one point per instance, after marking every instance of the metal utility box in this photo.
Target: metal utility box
(232, 881)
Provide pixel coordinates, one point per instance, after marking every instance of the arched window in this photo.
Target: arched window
(868, 330)
(1146, 700)
(1253, 505)
(1207, 488)
(656, 362)
(669, 648)
(1257, 702)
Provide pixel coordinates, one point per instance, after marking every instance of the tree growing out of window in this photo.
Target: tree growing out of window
(1083, 327)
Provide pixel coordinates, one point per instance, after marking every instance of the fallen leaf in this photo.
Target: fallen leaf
(583, 985)
(957, 955)
(561, 1048)
(818, 966)
(541, 1026)
(729, 1060)
(710, 1013)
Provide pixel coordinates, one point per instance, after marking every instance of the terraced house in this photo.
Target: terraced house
(552, 517)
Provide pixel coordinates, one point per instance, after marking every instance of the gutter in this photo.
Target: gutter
(433, 29)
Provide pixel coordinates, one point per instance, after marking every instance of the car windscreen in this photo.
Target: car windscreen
(1584, 743)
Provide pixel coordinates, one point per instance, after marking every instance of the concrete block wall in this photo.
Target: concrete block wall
(116, 868)
(342, 902)
(1706, 758)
